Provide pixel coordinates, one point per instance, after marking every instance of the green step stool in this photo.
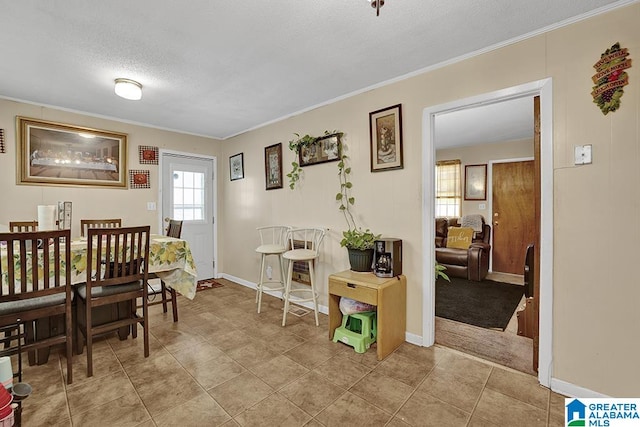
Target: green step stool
(358, 330)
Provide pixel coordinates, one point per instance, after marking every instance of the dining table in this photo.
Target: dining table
(170, 259)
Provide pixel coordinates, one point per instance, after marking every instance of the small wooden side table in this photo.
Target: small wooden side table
(388, 294)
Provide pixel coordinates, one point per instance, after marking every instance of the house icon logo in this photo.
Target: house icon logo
(576, 413)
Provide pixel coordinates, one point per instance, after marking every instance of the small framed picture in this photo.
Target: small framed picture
(236, 166)
(139, 178)
(324, 149)
(385, 128)
(273, 166)
(475, 182)
(148, 155)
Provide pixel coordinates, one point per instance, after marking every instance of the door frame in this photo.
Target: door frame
(544, 89)
(490, 191)
(214, 196)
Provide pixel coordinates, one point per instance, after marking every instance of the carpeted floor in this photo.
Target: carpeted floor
(487, 304)
(208, 284)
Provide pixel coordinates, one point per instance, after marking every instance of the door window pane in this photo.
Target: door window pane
(188, 195)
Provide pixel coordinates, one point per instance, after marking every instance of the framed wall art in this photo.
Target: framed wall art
(385, 127)
(273, 166)
(236, 167)
(475, 182)
(61, 154)
(139, 179)
(324, 149)
(148, 155)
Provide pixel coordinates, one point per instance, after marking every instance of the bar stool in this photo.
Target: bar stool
(311, 239)
(273, 241)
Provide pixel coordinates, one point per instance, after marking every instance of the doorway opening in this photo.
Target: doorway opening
(543, 89)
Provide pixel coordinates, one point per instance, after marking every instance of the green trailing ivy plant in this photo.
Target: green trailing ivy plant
(354, 237)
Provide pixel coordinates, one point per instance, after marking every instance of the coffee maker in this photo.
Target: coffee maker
(387, 258)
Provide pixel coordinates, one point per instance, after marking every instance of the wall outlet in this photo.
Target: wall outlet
(151, 206)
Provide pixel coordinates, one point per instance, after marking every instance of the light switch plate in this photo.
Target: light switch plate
(151, 206)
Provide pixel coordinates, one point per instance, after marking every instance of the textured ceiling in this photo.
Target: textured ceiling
(219, 68)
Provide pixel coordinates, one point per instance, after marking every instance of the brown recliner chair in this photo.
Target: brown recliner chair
(471, 263)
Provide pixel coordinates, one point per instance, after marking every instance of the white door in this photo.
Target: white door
(188, 195)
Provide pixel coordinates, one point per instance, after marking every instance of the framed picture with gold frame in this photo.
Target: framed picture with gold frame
(52, 153)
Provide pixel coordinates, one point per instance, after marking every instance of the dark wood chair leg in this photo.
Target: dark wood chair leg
(174, 304)
(164, 297)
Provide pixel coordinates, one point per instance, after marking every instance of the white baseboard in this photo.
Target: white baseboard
(573, 390)
(413, 338)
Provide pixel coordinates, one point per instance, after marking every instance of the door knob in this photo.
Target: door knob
(167, 219)
(495, 223)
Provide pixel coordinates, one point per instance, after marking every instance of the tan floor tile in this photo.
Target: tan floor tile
(196, 354)
(131, 351)
(309, 355)
(114, 387)
(304, 330)
(368, 359)
(126, 411)
(199, 411)
(252, 354)
(476, 421)
(342, 371)
(461, 364)
(240, 393)
(426, 356)
(148, 423)
(454, 388)
(312, 393)
(403, 369)
(279, 371)
(47, 379)
(176, 337)
(499, 408)
(351, 410)
(519, 386)
(46, 410)
(313, 423)
(396, 422)
(231, 340)
(385, 392)
(275, 410)
(426, 410)
(215, 371)
(283, 341)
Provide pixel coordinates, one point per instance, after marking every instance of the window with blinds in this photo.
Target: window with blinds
(448, 188)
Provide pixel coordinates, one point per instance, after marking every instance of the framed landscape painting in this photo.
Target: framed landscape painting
(475, 182)
(236, 167)
(61, 154)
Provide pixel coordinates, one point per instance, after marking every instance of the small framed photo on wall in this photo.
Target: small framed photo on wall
(273, 166)
(475, 182)
(236, 167)
(385, 128)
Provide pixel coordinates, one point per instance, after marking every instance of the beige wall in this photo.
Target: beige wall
(594, 341)
(484, 154)
(19, 202)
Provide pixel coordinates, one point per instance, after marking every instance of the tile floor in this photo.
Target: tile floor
(223, 364)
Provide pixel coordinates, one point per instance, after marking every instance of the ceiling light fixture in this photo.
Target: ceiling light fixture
(128, 89)
(376, 4)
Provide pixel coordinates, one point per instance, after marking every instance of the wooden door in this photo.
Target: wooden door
(513, 214)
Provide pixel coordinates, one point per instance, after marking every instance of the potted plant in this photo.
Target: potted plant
(439, 271)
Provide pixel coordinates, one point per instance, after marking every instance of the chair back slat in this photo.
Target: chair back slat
(23, 226)
(274, 235)
(117, 256)
(174, 229)
(35, 263)
(86, 224)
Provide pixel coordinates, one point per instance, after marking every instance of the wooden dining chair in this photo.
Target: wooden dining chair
(117, 272)
(98, 223)
(174, 229)
(36, 284)
(22, 226)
